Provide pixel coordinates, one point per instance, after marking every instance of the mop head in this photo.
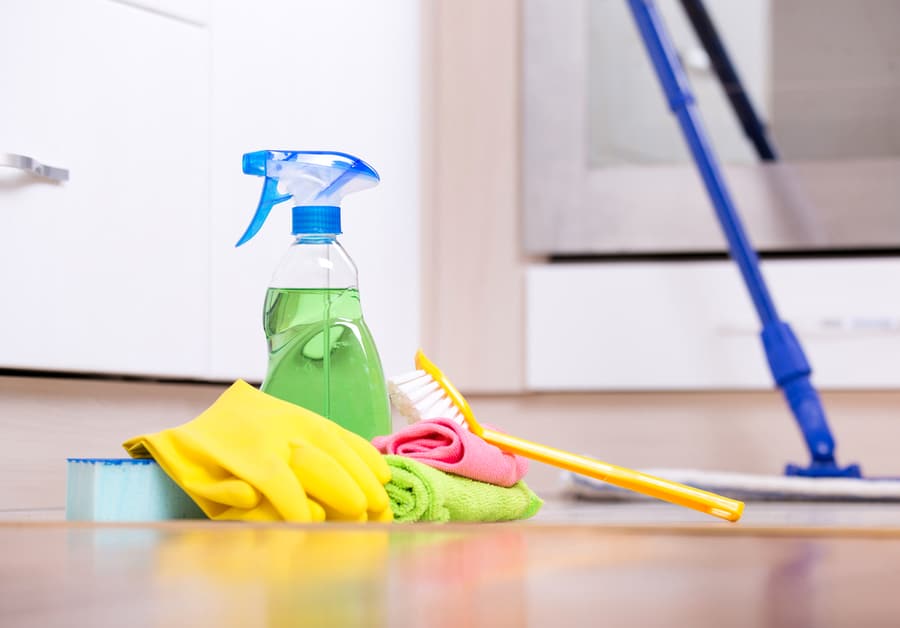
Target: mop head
(746, 487)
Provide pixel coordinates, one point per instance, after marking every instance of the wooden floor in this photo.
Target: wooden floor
(800, 573)
(575, 564)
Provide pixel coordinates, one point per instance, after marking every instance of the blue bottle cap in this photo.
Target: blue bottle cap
(316, 219)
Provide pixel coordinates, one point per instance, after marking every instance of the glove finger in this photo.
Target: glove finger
(264, 512)
(286, 493)
(316, 511)
(336, 441)
(342, 446)
(385, 516)
(335, 515)
(230, 492)
(326, 480)
(369, 455)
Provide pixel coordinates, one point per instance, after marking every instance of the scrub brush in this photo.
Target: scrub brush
(426, 393)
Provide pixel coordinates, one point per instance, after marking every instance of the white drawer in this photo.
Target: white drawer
(108, 272)
(691, 325)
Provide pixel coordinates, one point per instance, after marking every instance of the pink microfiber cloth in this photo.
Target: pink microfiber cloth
(449, 447)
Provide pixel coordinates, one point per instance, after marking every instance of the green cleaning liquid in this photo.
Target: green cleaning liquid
(322, 357)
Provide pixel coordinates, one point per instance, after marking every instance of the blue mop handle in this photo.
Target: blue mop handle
(787, 362)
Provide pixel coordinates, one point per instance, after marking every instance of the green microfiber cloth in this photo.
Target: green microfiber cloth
(420, 493)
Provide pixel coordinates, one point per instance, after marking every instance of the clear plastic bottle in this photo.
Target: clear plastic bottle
(321, 353)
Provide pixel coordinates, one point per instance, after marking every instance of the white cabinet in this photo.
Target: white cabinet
(130, 266)
(108, 271)
(691, 325)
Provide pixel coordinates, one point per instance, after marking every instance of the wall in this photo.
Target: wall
(473, 287)
(836, 79)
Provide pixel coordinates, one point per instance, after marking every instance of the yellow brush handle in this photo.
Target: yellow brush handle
(704, 501)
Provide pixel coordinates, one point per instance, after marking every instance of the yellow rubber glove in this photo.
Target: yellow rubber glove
(253, 457)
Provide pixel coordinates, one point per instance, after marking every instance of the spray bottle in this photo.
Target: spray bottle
(321, 353)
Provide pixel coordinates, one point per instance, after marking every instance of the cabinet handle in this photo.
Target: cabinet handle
(29, 164)
(827, 327)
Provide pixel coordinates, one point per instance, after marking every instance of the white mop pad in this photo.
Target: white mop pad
(746, 487)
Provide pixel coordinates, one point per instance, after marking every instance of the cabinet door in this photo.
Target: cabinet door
(107, 272)
(692, 326)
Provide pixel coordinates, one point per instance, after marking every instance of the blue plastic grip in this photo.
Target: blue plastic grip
(807, 407)
(786, 358)
(791, 371)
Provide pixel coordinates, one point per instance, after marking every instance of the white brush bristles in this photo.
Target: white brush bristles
(418, 397)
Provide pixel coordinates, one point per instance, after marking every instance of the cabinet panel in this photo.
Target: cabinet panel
(691, 325)
(107, 272)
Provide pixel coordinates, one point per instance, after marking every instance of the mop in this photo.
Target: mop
(823, 478)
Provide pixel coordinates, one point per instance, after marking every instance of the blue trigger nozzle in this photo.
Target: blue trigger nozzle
(316, 181)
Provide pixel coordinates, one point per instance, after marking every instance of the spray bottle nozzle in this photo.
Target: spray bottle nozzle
(255, 163)
(315, 180)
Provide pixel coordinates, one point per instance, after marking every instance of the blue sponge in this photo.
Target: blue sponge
(114, 489)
